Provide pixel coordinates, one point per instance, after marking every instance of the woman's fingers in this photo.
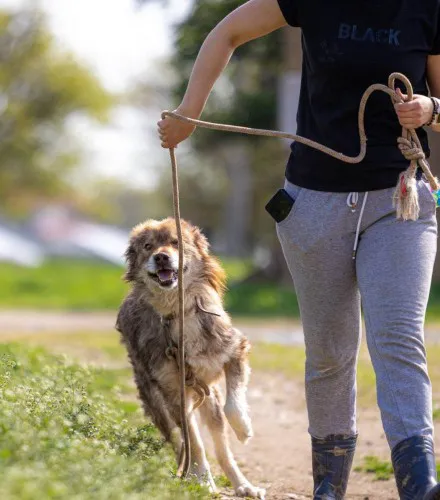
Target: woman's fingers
(162, 130)
(409, 107)
(416, 113)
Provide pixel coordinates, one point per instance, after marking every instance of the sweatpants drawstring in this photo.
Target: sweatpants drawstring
(352, 201)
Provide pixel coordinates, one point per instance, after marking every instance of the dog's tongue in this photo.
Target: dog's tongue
(165, 274)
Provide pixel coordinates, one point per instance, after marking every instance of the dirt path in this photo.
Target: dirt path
(278, 457)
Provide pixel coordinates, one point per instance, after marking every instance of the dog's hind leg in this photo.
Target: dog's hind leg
(213, 416)
(236, 409)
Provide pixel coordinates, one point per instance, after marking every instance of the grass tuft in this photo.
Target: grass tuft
(382, 470)
(222, 482)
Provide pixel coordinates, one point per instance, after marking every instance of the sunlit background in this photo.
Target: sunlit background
(82, 86)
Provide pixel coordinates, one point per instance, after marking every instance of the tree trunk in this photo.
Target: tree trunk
(238, 206)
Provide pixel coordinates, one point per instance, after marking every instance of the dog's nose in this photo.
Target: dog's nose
(161, 258)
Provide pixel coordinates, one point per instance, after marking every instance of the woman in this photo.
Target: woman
(342, 240)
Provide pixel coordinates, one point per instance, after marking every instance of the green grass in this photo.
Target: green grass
(77, 285)
(61, 284)
(382, 470)
(85, 285)
(287, 360)
(262, 300)
(66, 433)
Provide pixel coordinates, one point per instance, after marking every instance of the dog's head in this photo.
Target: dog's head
(153, 257)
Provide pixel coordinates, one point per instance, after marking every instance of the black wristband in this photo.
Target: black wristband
(435, 111)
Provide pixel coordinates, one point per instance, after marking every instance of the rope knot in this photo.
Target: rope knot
(410, 149)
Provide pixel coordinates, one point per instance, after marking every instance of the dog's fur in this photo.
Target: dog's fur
(148, 322)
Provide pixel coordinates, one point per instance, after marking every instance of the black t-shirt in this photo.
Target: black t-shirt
(347, 46)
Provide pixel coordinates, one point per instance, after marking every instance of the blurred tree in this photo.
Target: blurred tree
(41, 87)
(115, 202)
(245, 94)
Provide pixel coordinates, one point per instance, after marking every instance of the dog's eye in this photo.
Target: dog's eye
(175, 243)
(148, 246)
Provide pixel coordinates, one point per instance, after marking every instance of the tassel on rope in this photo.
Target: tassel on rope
(406, 199)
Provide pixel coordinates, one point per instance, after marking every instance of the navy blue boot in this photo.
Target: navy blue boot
(332, 458)
(414, 469)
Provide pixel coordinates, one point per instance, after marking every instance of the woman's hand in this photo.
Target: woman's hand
(172, 132)
(416, 113)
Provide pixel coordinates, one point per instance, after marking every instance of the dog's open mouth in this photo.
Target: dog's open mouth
(165, 277)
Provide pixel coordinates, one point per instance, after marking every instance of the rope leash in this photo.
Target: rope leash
(185, 457)
(405, 200)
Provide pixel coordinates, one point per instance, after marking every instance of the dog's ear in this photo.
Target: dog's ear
(200, 241)
(130, 258)
(212, 269)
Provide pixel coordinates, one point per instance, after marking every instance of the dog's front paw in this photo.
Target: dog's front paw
(239, 421)
(247, 490)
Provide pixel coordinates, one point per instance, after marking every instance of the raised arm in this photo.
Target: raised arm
(254, 19)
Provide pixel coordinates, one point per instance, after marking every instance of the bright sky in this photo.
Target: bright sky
(120, 43)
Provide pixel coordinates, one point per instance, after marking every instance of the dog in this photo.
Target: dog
(148, 323)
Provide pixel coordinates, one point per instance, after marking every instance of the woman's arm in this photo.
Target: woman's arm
(418, 112)
(254, 19)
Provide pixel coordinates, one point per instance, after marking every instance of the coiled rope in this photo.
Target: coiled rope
(405, 199)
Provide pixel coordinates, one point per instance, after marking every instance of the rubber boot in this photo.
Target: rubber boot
(332, 458)
(414, 469)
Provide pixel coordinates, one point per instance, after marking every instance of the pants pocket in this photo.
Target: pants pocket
(296, 193)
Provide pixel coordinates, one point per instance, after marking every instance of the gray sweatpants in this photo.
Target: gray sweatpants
(391, 276)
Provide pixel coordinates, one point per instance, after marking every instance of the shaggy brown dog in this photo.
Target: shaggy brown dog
(148, 322)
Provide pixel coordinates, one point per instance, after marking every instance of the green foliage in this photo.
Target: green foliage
(262, 300)
(40, 87)
(382, 470)
(222, 482)
(246, 94)
(63, 435)
(252, 72)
